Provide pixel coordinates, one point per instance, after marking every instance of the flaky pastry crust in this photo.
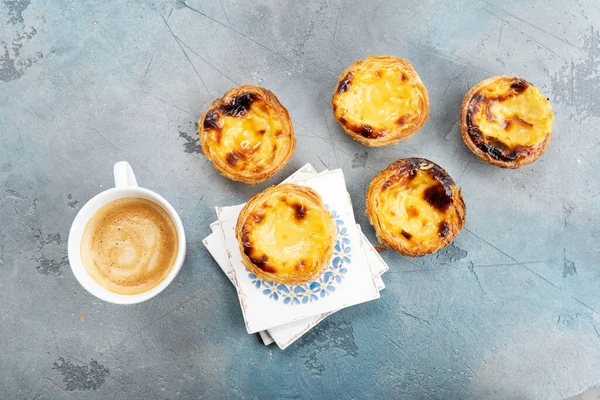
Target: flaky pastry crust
(506, 121)
(286, 235)
(380, 100)
(247, 134)
(415, 207)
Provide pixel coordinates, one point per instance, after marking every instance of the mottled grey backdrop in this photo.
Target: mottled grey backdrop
(509, 311)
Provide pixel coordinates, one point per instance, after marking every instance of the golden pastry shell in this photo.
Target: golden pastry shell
(484, 155)
(399, 132)
(310, 195)
(456, 211)
(285, 151)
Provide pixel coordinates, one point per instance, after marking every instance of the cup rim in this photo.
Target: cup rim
(76, 235)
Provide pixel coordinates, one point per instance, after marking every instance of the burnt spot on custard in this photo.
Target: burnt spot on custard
(438, 196)
(490, 145)
(261, 261)
(300, 266)
(363, 130)
(406, 169)
(443, 229)
(246, 243)
(211, 121)
(239, 105)
(344, 84)
(279, 134)
(407, 235)
(413, 164)
(496, 148)
(441, 176)
(403, 120)
(412, 173)
(233, 157)
(519, 85)
(262, 132)
(299, 211)
(410, 166)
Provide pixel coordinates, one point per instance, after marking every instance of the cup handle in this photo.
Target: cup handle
(124, 176)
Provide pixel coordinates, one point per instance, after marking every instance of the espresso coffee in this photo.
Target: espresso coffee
(129, 245)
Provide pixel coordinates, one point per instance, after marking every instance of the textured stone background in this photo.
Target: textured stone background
(509, 311)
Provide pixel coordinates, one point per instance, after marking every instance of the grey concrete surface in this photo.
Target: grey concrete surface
(509, 311)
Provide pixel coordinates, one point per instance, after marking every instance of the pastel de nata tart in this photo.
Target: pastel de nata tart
(380, 100)
(506, 121)
(286, 235)
(415, 207)
(247, 134)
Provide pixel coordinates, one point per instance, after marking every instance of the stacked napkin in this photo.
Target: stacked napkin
(283, 313)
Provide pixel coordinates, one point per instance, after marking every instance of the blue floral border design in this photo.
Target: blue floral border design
(321, 287)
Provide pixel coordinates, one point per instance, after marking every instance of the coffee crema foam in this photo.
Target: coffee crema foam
(129, 245)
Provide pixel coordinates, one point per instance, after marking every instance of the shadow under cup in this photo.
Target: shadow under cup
(76, 237)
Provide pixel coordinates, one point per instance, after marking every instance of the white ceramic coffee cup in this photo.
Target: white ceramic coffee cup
(125, 186)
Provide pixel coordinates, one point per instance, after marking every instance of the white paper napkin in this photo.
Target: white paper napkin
(286, 334)
(333, 186)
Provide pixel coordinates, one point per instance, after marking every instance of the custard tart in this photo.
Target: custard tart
(415, 207)
(506, 121)
(247, 134)
(380, 100)
(285, 234)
